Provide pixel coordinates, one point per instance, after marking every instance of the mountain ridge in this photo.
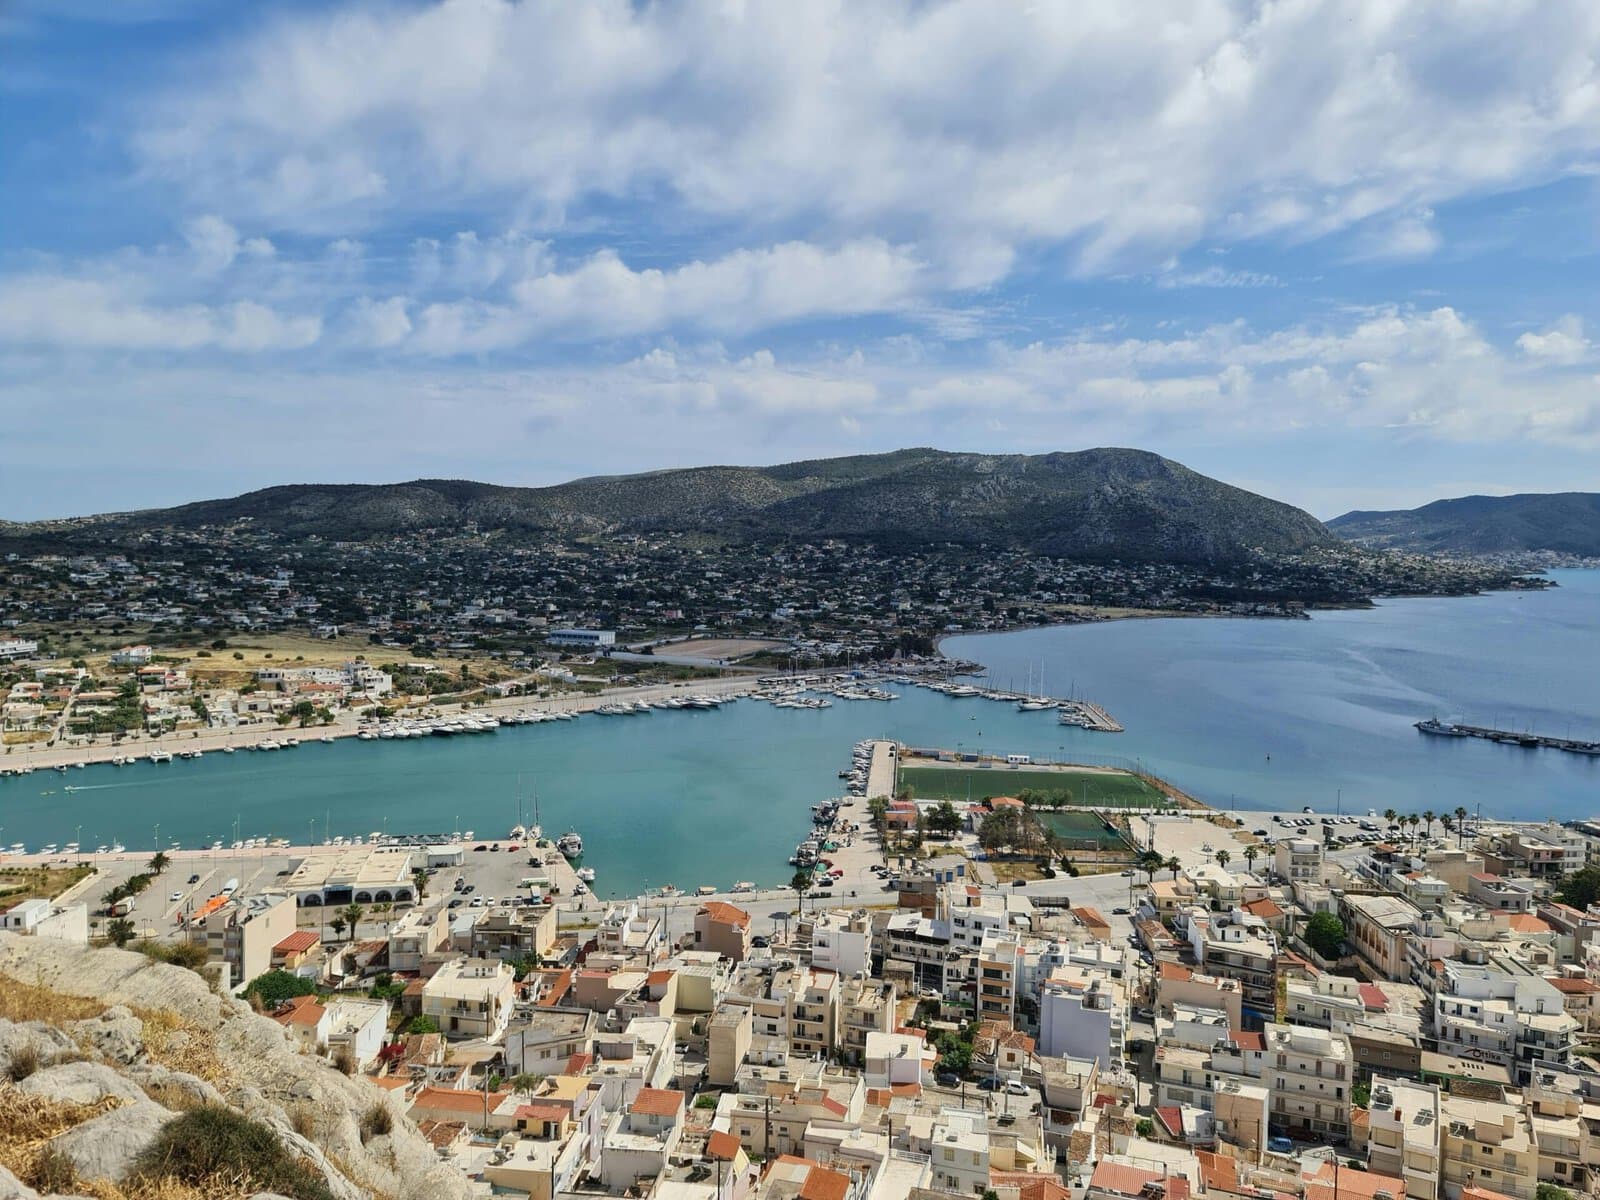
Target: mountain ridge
(1101, 503)
(1528, 522)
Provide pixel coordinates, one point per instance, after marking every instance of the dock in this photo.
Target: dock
(1508, 737)
(881, 774)
(1089, 716)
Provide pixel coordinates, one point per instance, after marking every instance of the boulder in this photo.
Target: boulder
(45, 1042)
(109, 1146)
(79, 1083)
(186, 1090)
(116, 1035)
(12, 1188)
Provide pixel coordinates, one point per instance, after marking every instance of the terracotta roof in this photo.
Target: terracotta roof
(548, 1113)
(1121, 1179)
(1352, 1183)
(657, 1102)
(722, 1145)
(1175, 971)
(297, 942)
(1573, 987)
(300, 1010)
(1247, 1041)
(1090, 916)
(559, 987)
(457, 1100)
(659, 977)
(1265, 908)
(1482, 1193)
(1030, 1185)
(1528, 923)
(1217, 1171)
(823, 1184)
(1372, 996)
(1172, 1118)
(724, 913)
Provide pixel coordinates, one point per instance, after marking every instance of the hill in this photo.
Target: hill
(1558, 522)
(1092, 504)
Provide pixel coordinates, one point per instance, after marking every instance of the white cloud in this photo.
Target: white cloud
(740, 292)
(890, 120)
(1564, 344)
(53, 310)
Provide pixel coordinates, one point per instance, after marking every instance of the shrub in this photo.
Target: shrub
(215, 1143)
(24, 1062)
(54, 1172)
(345, 1059)
(376, 1121)
(276, 986)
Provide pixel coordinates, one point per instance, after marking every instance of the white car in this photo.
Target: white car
(1017, 1089)
(176, 896)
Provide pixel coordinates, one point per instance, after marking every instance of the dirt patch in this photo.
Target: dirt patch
(718, 649)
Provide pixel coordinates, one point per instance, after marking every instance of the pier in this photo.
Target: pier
(1508, 737)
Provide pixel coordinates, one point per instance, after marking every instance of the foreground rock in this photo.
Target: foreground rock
(165, 1043)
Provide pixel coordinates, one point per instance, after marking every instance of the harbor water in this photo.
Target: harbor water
(1248, 713)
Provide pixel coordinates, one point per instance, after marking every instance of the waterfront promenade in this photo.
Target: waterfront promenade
(345, 724)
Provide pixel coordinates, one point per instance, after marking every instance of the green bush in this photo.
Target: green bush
(274, 987)
(214, 1142)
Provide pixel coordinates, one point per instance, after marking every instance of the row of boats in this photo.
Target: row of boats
(638, 708)
(1507, 737)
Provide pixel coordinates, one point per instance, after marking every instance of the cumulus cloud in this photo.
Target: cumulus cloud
(1564, 344)
(56, 311)
(884, 120)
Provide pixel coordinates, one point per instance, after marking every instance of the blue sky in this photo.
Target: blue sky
(1342, 253)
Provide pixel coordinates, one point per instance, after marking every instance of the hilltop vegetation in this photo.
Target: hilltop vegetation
(1559, 523)
(1092, 504)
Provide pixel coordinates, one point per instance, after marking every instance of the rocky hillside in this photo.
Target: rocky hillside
(122, 1077)
(1092, 504)
(1559, 522)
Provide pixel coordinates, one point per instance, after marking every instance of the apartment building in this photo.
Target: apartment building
(470, 997)
(1309, 1073)
(1380, 928)
(842, 942)
(1238, 947)
(1404, 1134)
(1488, 1143)
(1299, 860)
(1081, 1015)
(243, 932)
(1516, 1021)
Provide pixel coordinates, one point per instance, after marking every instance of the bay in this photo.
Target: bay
(1251, 713)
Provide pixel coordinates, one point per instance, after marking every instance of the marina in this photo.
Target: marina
(1434, 727)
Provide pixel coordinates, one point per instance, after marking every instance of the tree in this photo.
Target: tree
(272, 988)
(158, 863)
(1390, 815)
(1223, 858)
(1413, 820)
(1549, 1191)
(1461, 823)
(944, 819)
(352, 914)
(1250, 856)
(119, 932)
(419, 880)
(1324, 933)
(1174, 866)
(1427, 822)
(527, 1081)
(338, 925)
(423, 1024)
(1581, 888)
(1145, 1128)
(799, 882)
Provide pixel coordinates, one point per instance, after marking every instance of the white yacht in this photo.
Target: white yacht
(570, 844)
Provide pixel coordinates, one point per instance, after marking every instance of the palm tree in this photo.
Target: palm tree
(1427, 817)
(419, 881)
(1250, 856)
(352, 914)
(1222, 858)
(158, 863)
(1390, 815)
(1461, 823)
(1174, 866)
(120, 932)
(1447, 823)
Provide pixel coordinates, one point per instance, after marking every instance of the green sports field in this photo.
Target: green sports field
(951, 782)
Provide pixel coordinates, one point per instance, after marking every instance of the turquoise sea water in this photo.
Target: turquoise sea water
(712, 797)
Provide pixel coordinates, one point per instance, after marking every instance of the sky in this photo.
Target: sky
(1341, 253)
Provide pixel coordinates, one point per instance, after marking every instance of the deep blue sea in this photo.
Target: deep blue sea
(1252, 713)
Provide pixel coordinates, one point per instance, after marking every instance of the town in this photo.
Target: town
(1324, 1005)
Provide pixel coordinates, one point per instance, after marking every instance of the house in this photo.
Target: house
(723, 928)
(46, 919)
(470, 997)
(131, 656)
(292, 952)
(640, 1141)
(358, 1026)
(306, 1022)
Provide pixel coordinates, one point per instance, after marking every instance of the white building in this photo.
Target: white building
(44, 919)
(14, 648)
(958, 1150)
(586, 638)
(1403, 1134)
(131, 656)
(359, 1024)
(471, 997)
(1309, 1072)
(1081, 1016)
(841, 943)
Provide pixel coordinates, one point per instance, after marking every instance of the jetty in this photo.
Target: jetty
(1530, 741)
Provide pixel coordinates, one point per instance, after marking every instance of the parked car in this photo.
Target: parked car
(947, 1079)
(194, 879)
(176, 896)
(1280, 1145)
(990, 1084)
(1017, 1089)
(1019, 883)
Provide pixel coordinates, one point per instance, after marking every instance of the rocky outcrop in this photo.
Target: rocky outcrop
(163, 1043)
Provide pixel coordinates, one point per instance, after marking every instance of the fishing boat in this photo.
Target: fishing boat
(570, 844)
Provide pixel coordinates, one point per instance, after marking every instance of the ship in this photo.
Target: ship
(570, 844)
(1437, 728)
